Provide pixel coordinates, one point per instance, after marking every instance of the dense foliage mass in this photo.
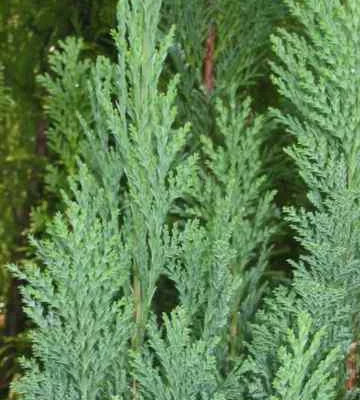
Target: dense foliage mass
(156, 268)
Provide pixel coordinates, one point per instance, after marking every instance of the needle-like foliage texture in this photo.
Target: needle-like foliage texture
(102, 258)
(82, 326)
(244, 29)
(188, 366)
(66, 96)
(316, 72)
(302, 374)
(217, 267)
(150, 148)
(234, 200)
(141, 204)
(237, 205)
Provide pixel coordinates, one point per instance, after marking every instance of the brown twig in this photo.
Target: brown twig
(351, 367)
(209, 61)
(2, 320)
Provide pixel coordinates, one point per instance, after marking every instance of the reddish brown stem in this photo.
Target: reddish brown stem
(209, 61)
(351, 367)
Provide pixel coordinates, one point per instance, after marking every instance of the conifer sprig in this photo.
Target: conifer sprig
(140, 207)
(93, 247)
(318, 79)
(66, 95)
(149, 146)
(302, 375)
(238, 205)
(81, 327)
(316, 73)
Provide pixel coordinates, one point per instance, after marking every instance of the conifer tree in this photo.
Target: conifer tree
(67, 95)
(147, 195)
(28, 31)
(232, 38)
(134, 176)
(229, 140)
(236, 209)
(91, 277)
(115, 239)
(298, 376)
(316, 72)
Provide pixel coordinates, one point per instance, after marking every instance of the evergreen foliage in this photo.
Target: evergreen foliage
(238, 206)
(124, 133)
(187, 369)
(65, 97)
(149, 147)
(65, 86)
(244, 30)
(316, 73)
(82, 328)
(28, 30)
(160, 184)
(299, 376)
(145, 147)
(235, 196)
(241, 36)
(327, 277)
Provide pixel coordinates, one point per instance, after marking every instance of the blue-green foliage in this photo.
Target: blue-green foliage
(187, 367)
(234, 200)
(66, 88)
(140, 204)
(66, 96)
(237, 203)
(150, 147)
(303, 373)
(268, 334)
(186, 55)
(243, 35)
(83, 295)
(217, 266)
(82, 324)
(316, 73)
